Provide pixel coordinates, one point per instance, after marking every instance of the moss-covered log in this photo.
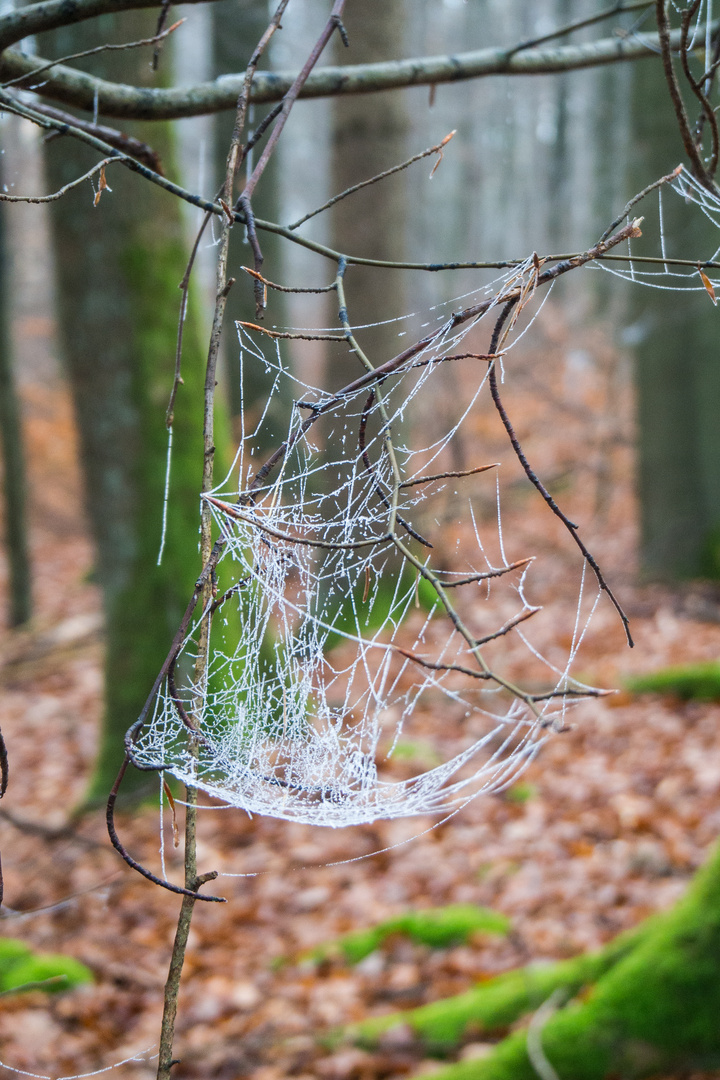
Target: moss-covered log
(654, 1012)
(493, 1006)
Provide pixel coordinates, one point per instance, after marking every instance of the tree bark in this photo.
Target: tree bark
(367, 138)
(677, 368)
(14, 479)
(119, 266)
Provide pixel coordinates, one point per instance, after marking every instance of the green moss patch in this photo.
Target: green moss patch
(436, 927)
(22, 969)
(694, 682)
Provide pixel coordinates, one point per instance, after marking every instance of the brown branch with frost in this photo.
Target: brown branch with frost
(667, 46)
(244, 203)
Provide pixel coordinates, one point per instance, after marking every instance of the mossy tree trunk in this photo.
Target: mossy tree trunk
(655, 1012)
(119, 267)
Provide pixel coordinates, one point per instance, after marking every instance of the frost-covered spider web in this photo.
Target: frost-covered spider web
(341, 618)
(665, 239)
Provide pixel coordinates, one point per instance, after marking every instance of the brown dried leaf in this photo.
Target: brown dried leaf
(710, 288)
(171, 801)
(102, 186)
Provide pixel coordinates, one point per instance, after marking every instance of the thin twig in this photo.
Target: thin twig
(287, 288)
(449, 475)
(434, 665)
(162, 19)
(292, 95)
(707, 112)
(56, 194)
(134, 864)
(581, 24)
(485, 575)
(260, 130)
(245, 199)
(287, 335)
(374, 180)
(185, 286)
(698, 167)
(92, 52)
(636, 199)
(537, 483)
(508, 626)
(119, 140)
(4, 766)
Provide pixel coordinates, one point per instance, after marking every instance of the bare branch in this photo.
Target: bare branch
(667, 44)
(61, 191)
(119, 100)
(22, 22)
(536, 482)
(374, 179)
(48, 64)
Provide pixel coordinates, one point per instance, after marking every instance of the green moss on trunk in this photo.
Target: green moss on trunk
(120, 264)
(144, 614)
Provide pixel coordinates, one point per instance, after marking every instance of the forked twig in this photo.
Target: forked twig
(537, 483)
(135, 865)
(377, 486)
(158, 37)
(691, 149)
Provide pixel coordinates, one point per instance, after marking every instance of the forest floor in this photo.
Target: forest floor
(606, 826)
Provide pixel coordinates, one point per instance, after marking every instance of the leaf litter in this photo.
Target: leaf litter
(604, 828)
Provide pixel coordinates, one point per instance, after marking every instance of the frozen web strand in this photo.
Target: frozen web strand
(669, 276)
(329, 647)
(138, 1057)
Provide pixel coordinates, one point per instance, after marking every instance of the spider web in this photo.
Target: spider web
(339, 622)
(665, 231)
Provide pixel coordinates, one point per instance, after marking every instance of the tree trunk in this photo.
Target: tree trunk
(677, 364)
(236, 32)
(119, 266)
(14, 480)
(369, 136)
